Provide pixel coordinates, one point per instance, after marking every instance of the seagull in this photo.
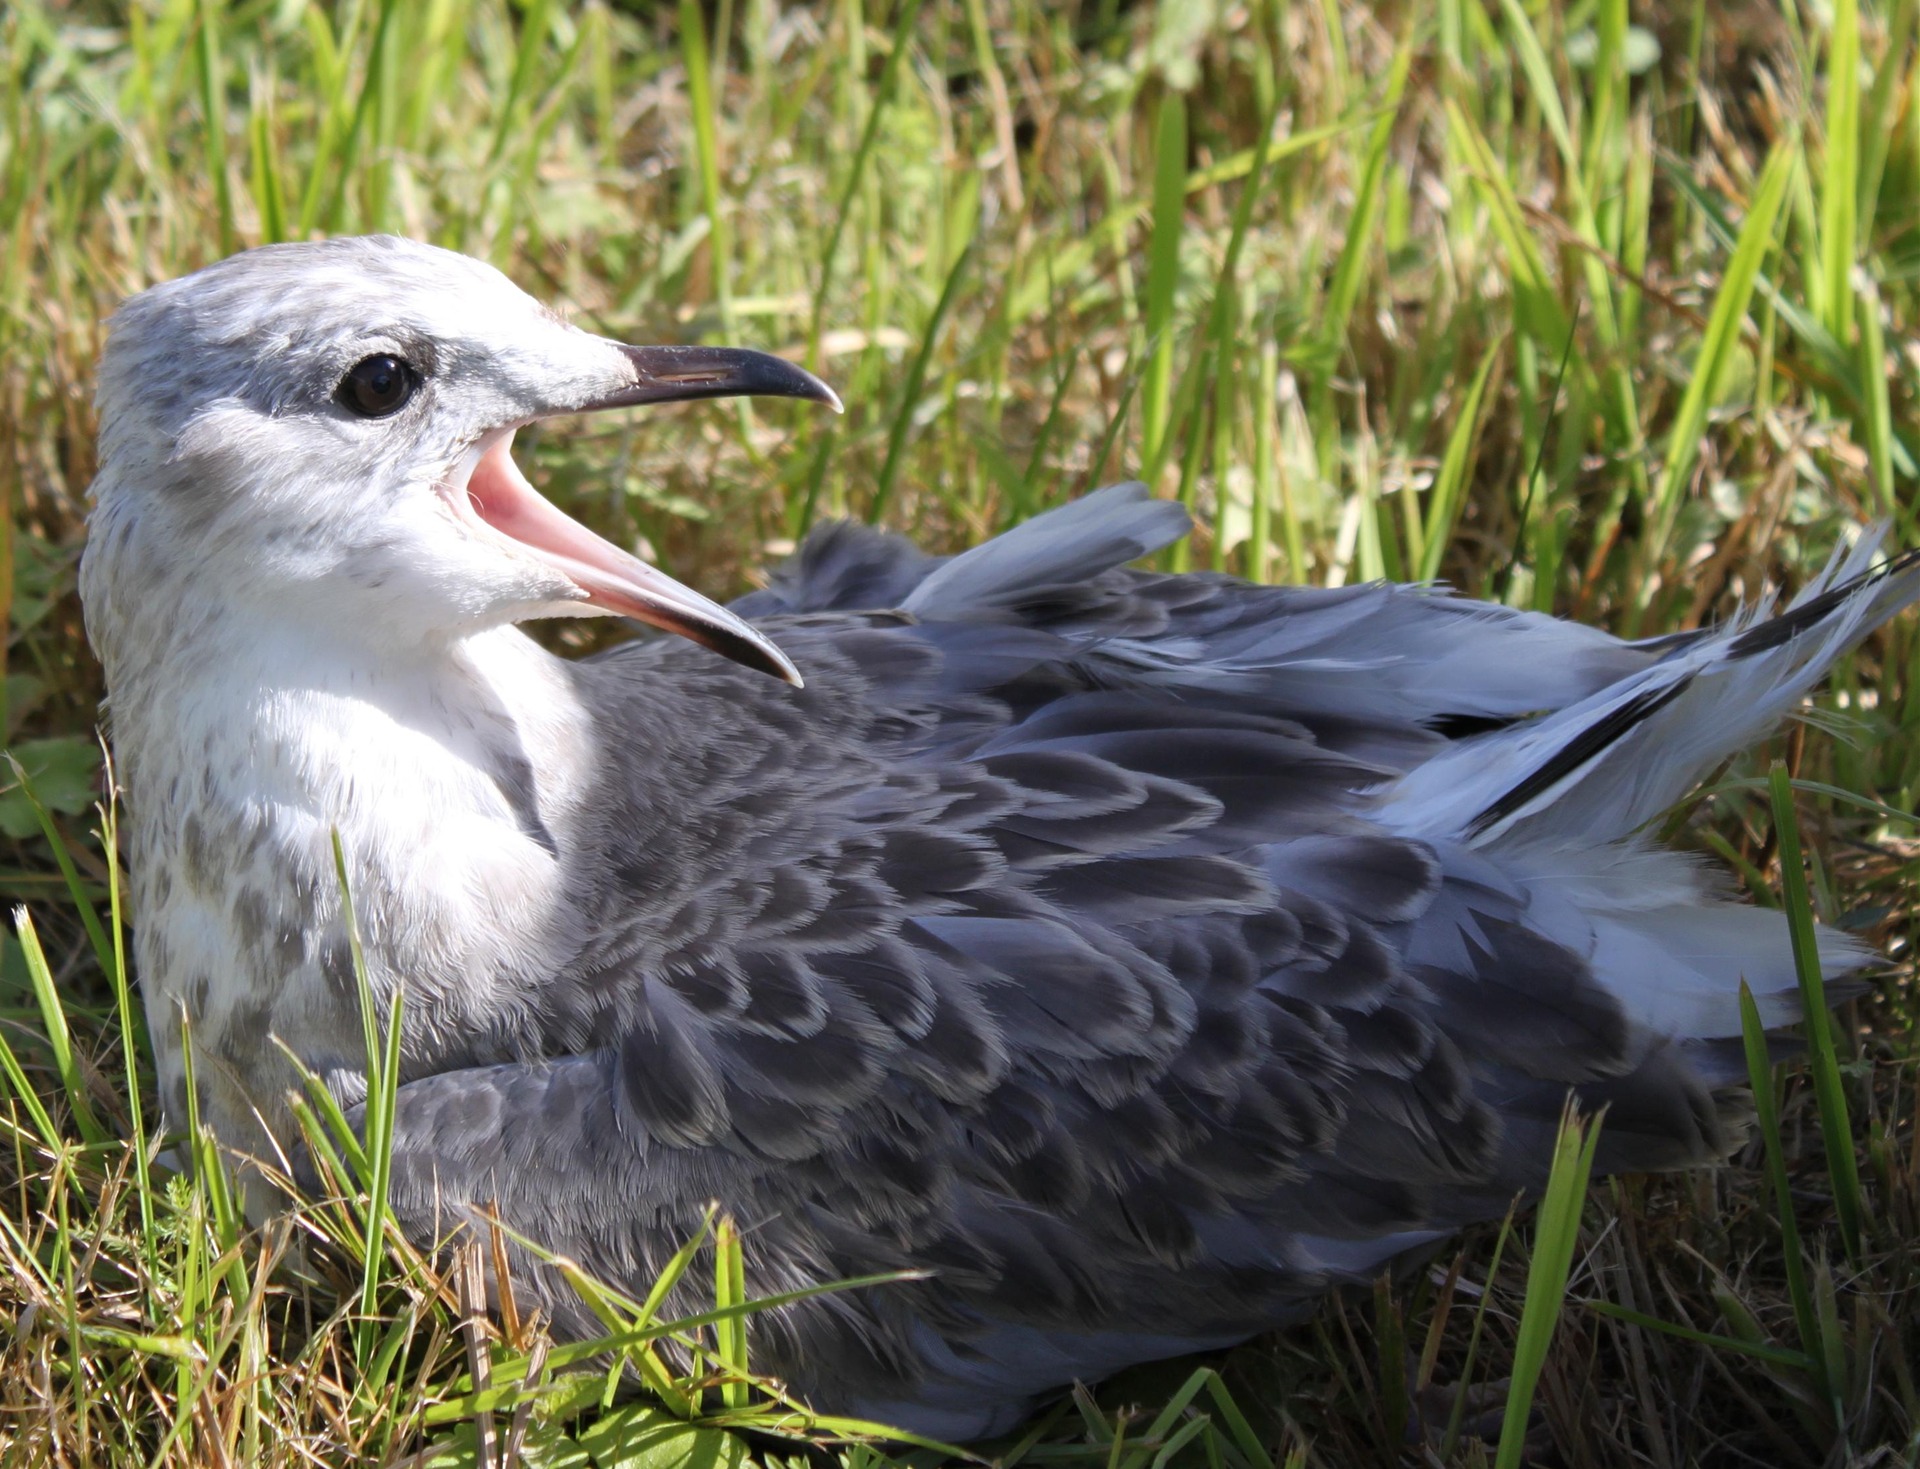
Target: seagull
(1116, 959)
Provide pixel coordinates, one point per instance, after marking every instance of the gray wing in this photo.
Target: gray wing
(1063, 939)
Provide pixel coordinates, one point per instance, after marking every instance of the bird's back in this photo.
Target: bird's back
(1134, 954)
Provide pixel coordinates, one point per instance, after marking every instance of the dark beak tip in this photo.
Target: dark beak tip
(680, 374)
(830, 398)
(803, 385)
(765, 658)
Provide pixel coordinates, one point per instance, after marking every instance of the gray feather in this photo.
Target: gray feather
(1086, 938)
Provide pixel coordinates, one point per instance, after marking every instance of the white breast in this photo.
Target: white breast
(452, 778)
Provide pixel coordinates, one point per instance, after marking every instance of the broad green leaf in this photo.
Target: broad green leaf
(65, 773)
(642, 1437)
(544, 1447)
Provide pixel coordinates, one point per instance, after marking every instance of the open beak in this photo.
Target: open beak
(498, 496)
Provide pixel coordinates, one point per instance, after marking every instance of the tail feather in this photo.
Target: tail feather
(1673, 951)
(1597, 769)
(1555, 803)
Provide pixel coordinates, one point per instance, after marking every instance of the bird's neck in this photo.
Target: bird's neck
(451, 773)
(330, 717)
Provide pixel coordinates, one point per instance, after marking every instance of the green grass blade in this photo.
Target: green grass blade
(334, 1130)
(1536, 304)
(37, 1113)
(1880, 122)
(1258, 561)
(1619, 397)
(1833, 1336)
(706, 147)
(1111, 435)
(1024, 501)
(1163, 1423)
(1607, 121)
(729, 1293)
(213, 107)
(381, 1108)
(1823, 1062)
(1556, 1231)
(53, 1018)
(649, 1310)
(348, 155)
(1759, 1351)
(856, 174)
(1349, 271)
(1450, 484)
(326, 82)
(70, 874)
(1840, 171)
(1457, 1413)
(910, 393)
(626, 1331)
(263, 164)
(1544, 89)
(1228, 387)
(127, 1014)
(1898, 815)
(1163, 277)
(383, 1082)
(1832, 361)
(1216, 361)
(1879, 405)
(1252, 1450)
(534, 28)
(1717, 345)
(210, 1181)
(1760, 1076)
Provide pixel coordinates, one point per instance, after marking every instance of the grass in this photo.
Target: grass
(1604, 311)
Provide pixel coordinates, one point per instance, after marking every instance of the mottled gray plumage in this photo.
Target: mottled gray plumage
(1136, 955)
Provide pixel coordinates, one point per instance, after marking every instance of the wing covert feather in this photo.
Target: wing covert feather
(1047, 942)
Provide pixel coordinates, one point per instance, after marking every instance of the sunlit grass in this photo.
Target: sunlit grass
(1578, 306)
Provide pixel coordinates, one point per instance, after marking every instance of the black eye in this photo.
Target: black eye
(377, 386)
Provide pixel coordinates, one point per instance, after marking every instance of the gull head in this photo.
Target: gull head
(323, 431)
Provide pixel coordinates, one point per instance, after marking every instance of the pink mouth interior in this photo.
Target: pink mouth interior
(606, 577)
(502, 498)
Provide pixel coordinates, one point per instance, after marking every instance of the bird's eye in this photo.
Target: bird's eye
(377, 386)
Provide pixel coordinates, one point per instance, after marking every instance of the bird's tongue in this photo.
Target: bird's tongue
(613, 580)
